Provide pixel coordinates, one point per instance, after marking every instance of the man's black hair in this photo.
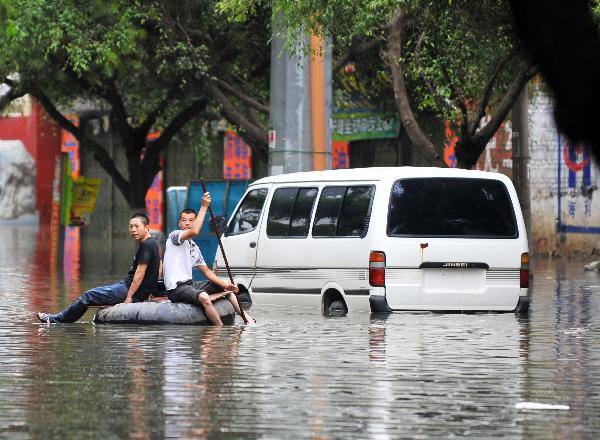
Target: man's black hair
(187, 211)
(142, 217)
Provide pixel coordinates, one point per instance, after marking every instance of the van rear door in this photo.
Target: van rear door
(454, 243)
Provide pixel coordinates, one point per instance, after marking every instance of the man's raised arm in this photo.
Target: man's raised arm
(198, 221)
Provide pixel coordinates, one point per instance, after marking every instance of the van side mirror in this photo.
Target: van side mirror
(219, 225)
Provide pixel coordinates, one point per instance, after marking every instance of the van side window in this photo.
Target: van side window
(343, 211)
(355, 210)
(289, 213)
(302, 211)
(328, 209)
(247, 216)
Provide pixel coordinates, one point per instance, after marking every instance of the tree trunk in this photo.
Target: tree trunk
(468, 151)
(141, 176)
(416, 135)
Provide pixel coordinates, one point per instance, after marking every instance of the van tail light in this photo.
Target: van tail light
(524, 272)
(377, 269)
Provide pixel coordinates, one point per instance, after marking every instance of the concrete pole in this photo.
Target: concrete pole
(299, 123)
(290, 142)
(520, 153)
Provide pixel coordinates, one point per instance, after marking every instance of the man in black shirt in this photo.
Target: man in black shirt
(140, 282)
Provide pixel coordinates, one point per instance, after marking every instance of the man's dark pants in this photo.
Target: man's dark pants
(104, 295)
(188, 291)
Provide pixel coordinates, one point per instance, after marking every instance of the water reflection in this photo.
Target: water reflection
(296, 374)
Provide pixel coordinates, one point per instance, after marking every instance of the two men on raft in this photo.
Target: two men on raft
(181, 255)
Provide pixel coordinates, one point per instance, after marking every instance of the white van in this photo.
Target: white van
(381, 240)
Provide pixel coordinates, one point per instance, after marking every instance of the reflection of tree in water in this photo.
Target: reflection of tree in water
(140, 426)
(202, 384)
(43, 280)
(90, 381)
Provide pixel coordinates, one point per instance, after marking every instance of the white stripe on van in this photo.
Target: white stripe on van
(332, 274)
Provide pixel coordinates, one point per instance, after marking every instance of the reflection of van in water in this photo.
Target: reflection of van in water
(381, 239)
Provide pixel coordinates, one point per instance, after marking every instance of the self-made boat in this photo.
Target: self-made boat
(164, 312)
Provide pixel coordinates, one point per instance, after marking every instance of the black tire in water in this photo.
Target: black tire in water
(337, 308)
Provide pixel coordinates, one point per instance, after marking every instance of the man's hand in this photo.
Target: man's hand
(206, 200)
(230, 287)
(127, 301)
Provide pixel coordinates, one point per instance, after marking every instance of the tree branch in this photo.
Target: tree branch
(233, 115)
(440, 102)
(394, 51)
(354, 51)
(175, 125)
(146, 126)
(120, 119)
(487, 94)
(100, 153)
(526, 72)
(243, 97)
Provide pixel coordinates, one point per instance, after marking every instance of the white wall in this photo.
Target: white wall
(556, 180)
(17, 181)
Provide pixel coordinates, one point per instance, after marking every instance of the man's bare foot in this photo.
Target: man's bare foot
(44, 317)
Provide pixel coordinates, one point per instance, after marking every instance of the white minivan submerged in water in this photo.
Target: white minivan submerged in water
(381, 240)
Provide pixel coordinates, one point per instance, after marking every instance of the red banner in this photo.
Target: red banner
(237, 158)
(154, 196)
(340, 151)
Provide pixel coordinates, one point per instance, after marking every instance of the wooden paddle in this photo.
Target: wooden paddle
(212, 221)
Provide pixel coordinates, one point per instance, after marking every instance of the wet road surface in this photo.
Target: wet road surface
(296, 374)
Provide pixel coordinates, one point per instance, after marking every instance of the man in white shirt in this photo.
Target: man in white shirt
(181, 255)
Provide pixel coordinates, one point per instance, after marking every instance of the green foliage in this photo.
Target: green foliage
(143, 49)
(450, 47)
(453, 49)
(150, 64)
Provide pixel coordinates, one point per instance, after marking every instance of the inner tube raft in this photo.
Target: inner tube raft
(163, 313)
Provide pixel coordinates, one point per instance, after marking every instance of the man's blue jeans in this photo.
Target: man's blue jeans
(105, 295)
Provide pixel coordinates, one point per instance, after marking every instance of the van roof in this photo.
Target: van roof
(378, 173)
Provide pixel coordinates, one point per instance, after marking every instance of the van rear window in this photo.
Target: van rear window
(450, 207)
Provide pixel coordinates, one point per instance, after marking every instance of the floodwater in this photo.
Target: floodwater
(296, 374)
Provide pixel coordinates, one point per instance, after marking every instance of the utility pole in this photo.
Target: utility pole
(300, 107)
(520, 157)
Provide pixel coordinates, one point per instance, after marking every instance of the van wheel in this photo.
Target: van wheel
(334, 304)
(337, 308)
(244, 298)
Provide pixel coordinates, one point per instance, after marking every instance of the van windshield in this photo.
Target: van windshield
(450, 207)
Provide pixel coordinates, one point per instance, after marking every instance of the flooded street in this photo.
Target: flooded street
(295, 374)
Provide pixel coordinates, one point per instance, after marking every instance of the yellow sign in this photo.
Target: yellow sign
(84, 193)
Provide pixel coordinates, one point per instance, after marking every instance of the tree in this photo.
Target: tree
(151, 65)
(456, 58)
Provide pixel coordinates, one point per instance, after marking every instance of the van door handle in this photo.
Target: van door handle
(252, 244)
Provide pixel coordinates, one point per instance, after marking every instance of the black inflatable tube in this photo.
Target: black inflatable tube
(150, 313)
